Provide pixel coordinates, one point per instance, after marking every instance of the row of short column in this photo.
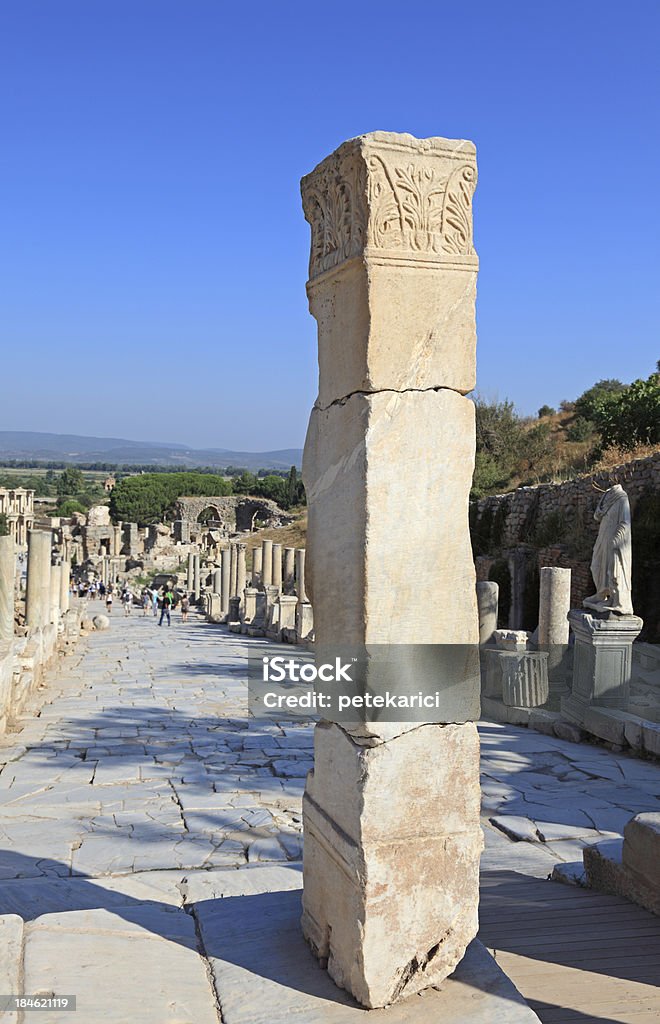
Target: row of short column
(275, 566)
(47, 593)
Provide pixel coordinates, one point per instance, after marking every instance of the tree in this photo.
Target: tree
(275, 488)
(546, 410)
(70, 481)
(246, 483)
(631, 417)
(501, 442)
(68, 507)
(150, 497)
(592, 401)
(4, 526)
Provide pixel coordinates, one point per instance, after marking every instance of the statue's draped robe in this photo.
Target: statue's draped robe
(611, 563)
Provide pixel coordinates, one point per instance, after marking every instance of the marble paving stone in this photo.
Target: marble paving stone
(265, 974)
(144, 967)
(11, 959)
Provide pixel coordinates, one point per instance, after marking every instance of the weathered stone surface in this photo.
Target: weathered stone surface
(137, 964)
(641, 848)
(391, 923)
(379, 275)
(101, 622)
(11, 959)
(392, 286)
(487, 602)
(365, 455)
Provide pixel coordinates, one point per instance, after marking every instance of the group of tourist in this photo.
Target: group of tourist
(151, 599)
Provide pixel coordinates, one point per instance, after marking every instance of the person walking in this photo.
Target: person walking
(146, 602)
(154, 601)
(166, 607)
(185, 605)
(127, 601)
(108, 601)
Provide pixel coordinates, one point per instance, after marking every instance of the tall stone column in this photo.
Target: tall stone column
(289, 569)
(487, 603)
(65, 578)
(300, 574)
(257, 556)
(37, 599)
(225, 566)
(554, 606)
(391, 810)
(55, 586)
(217, 581)
(232, 570)
(7, 584)
(241, 570)
(197, 583)
(266, 563)
(190, 579)
(276, 575)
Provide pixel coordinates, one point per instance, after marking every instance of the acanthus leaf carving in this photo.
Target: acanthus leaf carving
(411, 208)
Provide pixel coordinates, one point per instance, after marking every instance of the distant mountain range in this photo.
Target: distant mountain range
(27, 445)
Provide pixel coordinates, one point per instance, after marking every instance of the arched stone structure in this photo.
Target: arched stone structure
(235, 513)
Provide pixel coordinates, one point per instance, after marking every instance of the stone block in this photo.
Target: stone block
(350, 452)
(392, 257)
(568, 731)
(641, 848)
(407, 812)
(607, 723)
(543, 721)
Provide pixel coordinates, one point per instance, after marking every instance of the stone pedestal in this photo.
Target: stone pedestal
(487, 606)
(213, 608)
(602, 662)
(233, 615)
(37, 599)
(257, 625)
(554, 606)
(391, 811)
(304, 621)
(249, 607)
(7, 583)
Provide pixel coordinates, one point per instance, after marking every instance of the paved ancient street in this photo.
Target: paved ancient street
(140, 794)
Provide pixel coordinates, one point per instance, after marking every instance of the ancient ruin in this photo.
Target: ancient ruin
(392, 281)
(17, 505)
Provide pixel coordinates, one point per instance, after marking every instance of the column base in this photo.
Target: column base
(602, 664)
(391, 858)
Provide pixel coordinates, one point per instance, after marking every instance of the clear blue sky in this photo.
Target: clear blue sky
(153, 251)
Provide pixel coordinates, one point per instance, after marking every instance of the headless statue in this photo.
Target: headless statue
(611, 563)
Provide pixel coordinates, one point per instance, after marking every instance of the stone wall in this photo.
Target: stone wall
(236, 513)
(553, 525)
